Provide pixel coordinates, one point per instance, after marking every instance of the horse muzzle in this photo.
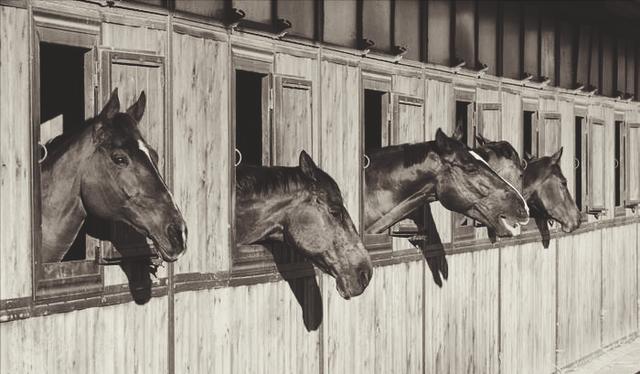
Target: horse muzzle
(176, 234)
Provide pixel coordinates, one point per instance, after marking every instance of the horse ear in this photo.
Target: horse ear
(528, 156)
(481, 140)
(555, 158)
(112, 107)
(442, 140)
(307, 165)
(137, 109)
(458, 134)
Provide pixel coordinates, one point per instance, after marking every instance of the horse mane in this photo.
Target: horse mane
(412, 153)
(501, 148)
(58, 144)
(264, 180)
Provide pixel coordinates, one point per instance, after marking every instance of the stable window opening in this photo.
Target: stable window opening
(529, 139)
(250, 118)
(619, 164)
(579, 161)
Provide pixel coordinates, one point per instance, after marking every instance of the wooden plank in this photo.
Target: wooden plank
(201, 140)
(511, 40)
(579, 296)
(255, 10)
(465, 31)
(398, 319)
(340, 22)
(439, 112)
(112, 339)
(293, 127)
(633, 163)
(301, 14)
(583, 57)
(596, 165)
(340, 126)
(619, 287)
(15, 158)
(548, 49)
(487, 41)
(439, 32)
(349, 329)
(528, 307)
(461, 328)
(408, 28)
(566, 55)
(376, 23)
(531, 39)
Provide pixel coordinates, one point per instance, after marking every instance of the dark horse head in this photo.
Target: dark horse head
(543, 184)
(110, 172)
(404, 177)
(302, 206)
(547, 192)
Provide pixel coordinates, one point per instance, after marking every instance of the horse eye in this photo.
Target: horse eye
(120, 160)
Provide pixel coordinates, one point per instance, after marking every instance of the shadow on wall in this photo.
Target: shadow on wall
(429, 242)
(305, 288)
(138, 270)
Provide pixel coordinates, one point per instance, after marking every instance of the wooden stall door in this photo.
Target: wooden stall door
(293, 128)
(596, 165)
(408, 127)
(489, 121)
(633, 164)
(549, 133)
(132, 73)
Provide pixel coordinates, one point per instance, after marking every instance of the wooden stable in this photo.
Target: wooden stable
(507, 307)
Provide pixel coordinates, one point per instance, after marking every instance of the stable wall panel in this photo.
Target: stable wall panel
(439, 113)
(579, 296)
(15, 158)
(201, 138)
(461, 324)
(527, 309)
(340, 126)
(123, 338)
(619, 283)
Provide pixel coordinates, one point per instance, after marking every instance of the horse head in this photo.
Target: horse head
(303, 207)
(466, 184)
(121, 182)
(546, 189)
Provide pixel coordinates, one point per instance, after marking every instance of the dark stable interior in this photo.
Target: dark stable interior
(527, 141)
(618, 157)
(62, 90)
(249, 117)
(462, 120)
(372, 120)
(578, 156)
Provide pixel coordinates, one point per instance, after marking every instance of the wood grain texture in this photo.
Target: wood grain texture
(512, 120)
(579, 296)
(15, 158)
(619, 283)
(567, 133)
(340, 126)
(200, 140)
(527, 309)
(461, 325)
(439, 113)
(124, 338)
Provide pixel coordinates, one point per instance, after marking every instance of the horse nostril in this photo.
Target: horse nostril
(177, 235)
(364, 277)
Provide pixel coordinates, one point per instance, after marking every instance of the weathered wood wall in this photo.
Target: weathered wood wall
(505, 307)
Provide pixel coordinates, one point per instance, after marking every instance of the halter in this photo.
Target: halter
(477, 157)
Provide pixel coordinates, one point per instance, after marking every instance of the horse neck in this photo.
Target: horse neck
(263, 216)
(388, 182)
(62, 210)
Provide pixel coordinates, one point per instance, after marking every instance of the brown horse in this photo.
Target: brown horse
(107, 171)
(543, 184)
(302, 207)
(402, 178)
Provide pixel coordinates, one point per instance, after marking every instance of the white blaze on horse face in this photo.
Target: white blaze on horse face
(143, 147)
(477, 157)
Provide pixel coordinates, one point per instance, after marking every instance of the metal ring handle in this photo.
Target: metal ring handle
(576, 163)
(616, 163)
(46, 153)
(524, 163)
(367, 161)
(240, 157)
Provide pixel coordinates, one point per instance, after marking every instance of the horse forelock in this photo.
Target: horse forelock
(501, 149)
